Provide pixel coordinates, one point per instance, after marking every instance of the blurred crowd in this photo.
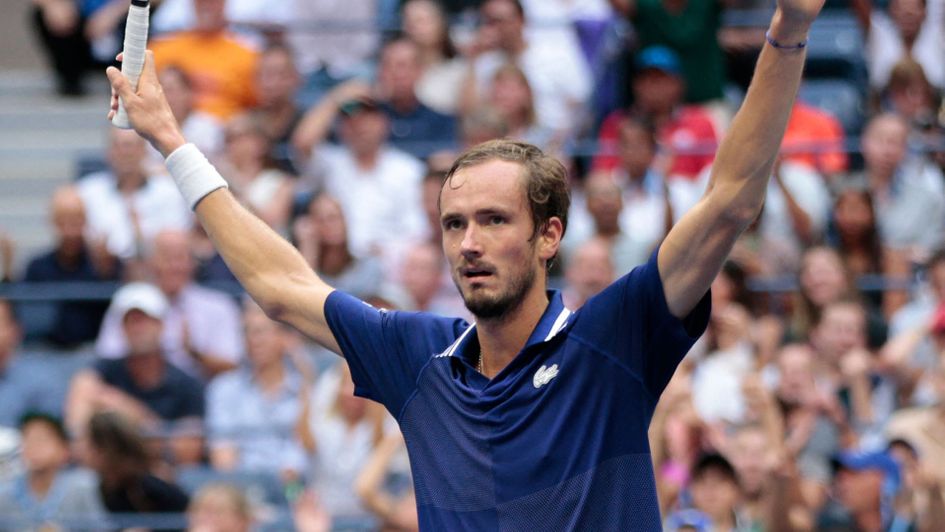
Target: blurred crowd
(815, 401)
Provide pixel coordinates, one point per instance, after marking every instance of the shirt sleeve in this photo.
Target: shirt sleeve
(386, 350)
(632, 321)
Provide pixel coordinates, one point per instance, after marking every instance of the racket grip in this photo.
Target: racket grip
(136, 42)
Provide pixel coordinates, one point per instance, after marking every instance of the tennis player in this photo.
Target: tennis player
(534, 417)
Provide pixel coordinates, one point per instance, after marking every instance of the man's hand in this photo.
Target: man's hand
(147, 108)
(793, 19)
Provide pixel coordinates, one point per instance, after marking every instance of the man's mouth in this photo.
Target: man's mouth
(475, 272)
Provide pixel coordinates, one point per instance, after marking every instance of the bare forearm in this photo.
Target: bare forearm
(314, 127)
(747, 153)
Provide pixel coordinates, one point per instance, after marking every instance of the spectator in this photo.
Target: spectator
(340, 431)
(201, 128)
(219, 508)
(277, 81)
(201, 333)
(113, 448)
(690, 29)
(125, 205)
(865, 487)
(424, 277)
(252, 175)
(815, 139)
(23, 388)
(922, 426)
(48, 494)
(686, 134)
(822, 278)
(559, 76)
(377, 186)
(414, 127)
(425, 23)
(908, 191)
(910, 95)
(395, 511)
(907, 28)
(715, 491)
(259, 435)
(511, 94)
(77, 36)
(142, 386)
(221, 66)
(587, 271)
(73, 258)
(321, 236)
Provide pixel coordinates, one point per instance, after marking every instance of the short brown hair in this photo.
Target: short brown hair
(546, 179)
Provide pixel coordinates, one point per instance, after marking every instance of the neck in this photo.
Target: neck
(130, 182)
(869, 520)
(608, 231)
(430, 55)
(41, 481)
(366, 160)
(68, 256)
(270, 376)
(333, 259)
(724, 521)
(404, 103)
(501, 338)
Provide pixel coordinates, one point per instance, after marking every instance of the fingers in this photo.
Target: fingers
(119, 83)
(149, 72)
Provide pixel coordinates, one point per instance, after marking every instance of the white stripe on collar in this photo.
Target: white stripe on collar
(559, 323)
(455, 345)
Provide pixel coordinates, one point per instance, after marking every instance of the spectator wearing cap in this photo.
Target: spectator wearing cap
(715, 492)
(377, 185)
(49, 493)
(865, 485)
(201, 333)
(143, 385)
(686, 135)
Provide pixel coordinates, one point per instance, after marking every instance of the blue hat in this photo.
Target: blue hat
(659, 58)
(879, 460)
(688, 518)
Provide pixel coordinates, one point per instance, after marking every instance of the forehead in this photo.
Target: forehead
(494, 184)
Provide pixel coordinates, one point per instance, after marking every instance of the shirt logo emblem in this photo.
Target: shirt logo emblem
(544, 375)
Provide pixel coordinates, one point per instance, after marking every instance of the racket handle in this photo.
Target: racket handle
(136, 42)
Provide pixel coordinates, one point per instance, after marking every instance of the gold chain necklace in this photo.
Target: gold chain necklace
(479, 362)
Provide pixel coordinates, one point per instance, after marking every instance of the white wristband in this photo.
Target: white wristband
(193, 173)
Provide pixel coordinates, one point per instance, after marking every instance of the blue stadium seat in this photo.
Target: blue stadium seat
(835, 48)
(841, 98)
(261, 486)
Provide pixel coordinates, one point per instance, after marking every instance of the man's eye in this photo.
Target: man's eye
(496, 220)
(452, 224)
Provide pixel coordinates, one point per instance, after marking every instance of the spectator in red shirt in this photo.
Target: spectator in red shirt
(815, 138)
(686, 134)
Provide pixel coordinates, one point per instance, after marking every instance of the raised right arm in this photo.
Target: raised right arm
(268, 267)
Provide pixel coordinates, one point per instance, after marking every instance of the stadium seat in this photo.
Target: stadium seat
(835, 48)
(841, 98)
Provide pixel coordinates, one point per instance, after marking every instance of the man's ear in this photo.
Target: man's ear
(549, 238)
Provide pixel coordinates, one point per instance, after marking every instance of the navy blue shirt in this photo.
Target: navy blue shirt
(421, 131)
(75, 321)
(177, 396)
(558, 439)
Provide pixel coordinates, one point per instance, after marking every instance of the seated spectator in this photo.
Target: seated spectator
(114, 448)
(909, 191)
(142, 385)
(48, 493)
(910, 95)
(201, 333)
(277, 81)
(22, 386)
(558, 75)
(259, 435)
(906, 28)
(221, 66)
(865, 486)
(339, 431)
(587, 271)
(716, 492)
(414, 127)
(321, 235)
(685, 133)
(125, 205)
(443, 69)
(220, 508)
(377, 185)
(252, 175)
(199, 127)
(815, 139)
(77, 36)
(922, 425)
(73, 258)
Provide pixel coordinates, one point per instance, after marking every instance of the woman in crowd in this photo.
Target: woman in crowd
(425, 23)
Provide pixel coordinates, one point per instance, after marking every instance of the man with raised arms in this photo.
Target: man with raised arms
(535, 416)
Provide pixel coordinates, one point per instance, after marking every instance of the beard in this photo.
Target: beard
(491, 307)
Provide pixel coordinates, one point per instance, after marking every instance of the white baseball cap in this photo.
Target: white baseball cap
(141, 296)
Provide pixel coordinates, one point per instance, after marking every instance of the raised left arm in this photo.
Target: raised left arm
(693, 252)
